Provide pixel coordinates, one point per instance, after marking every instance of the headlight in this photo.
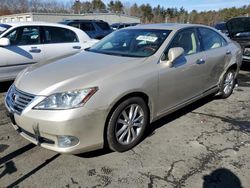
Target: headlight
(66, 100)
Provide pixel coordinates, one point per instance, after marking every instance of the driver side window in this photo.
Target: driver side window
(187, 40)
(24, 36)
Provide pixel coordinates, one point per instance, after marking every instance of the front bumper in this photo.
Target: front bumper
(42, 127)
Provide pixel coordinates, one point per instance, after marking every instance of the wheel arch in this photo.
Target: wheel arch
(233, 66)
(140, 94)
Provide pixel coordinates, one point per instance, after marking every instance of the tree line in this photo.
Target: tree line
(145, 12)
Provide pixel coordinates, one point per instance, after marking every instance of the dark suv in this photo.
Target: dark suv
(96, 29)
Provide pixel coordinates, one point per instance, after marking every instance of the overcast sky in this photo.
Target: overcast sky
(189, 5)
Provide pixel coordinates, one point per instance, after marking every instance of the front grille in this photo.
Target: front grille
(18, 100)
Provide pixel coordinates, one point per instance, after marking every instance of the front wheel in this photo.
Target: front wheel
(127, 124)
(227, 84)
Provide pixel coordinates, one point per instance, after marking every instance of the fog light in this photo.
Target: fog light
(67, 141)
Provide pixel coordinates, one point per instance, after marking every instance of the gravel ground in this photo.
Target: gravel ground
(206, 144)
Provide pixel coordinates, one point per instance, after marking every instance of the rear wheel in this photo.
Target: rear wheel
(227, 84)
(127, 124)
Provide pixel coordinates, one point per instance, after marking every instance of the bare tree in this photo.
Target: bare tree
(98, 5)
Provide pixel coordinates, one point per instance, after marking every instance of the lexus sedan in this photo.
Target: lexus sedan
(108, 94)
(26, 43)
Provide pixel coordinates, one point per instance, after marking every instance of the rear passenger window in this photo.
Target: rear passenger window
(87, 27)
(59, 35)
(187, 40)
(211, 39)
(103, 25)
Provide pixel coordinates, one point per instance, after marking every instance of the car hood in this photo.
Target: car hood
(239, 27)
(75, 72)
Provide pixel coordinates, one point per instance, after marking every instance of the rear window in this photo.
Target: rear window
(103, 25)
(211, 39)
(87, 26)
(59, 35)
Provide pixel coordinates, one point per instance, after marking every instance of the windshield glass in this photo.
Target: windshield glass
(131, 42)
(3, 28)
(239, 27)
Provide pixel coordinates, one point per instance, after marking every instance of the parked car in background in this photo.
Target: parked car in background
(117, 26)
(221, 26)
(112, 91)
(239, 31)
(96, 29)
(23, 44)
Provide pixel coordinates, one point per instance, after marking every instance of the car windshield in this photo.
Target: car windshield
(131, 42)
(239, 27)
(3, 28)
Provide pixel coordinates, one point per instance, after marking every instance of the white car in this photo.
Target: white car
(23, 44)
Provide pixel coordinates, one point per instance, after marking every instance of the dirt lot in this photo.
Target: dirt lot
(204, 145)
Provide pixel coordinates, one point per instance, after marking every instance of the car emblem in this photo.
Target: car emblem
(14, 97)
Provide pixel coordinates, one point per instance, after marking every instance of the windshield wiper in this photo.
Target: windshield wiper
(112, 53)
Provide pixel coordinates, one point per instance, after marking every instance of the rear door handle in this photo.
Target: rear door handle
(228, 52)
(77, 47)
(200, 61)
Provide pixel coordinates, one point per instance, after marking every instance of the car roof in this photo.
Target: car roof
(240, 17)
(31, 23)
(173, 27)
(166, 26)
(16, 24)
(82, 20)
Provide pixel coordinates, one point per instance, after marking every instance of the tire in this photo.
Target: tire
(227, 84)
(127, 124)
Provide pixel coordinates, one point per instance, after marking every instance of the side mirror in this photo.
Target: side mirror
(173, 54)
(4, 42)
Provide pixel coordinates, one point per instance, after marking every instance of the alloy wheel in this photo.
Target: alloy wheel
(129, 124)
(228, 83)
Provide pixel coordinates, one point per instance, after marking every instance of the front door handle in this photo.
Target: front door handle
(77, 47)
(34, 50)
(200, 61)
(228, 52)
